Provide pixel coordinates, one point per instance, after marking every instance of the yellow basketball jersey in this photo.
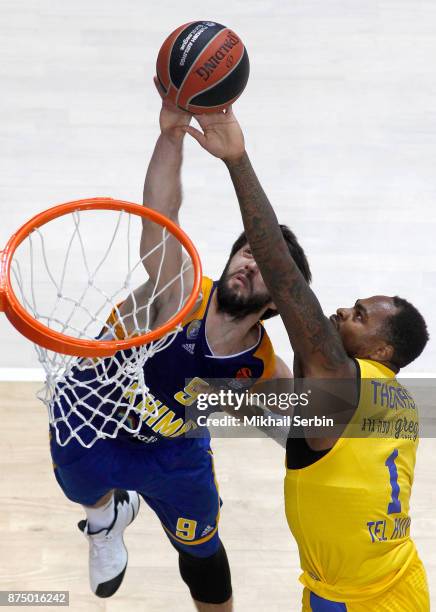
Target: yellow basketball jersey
(349, 511)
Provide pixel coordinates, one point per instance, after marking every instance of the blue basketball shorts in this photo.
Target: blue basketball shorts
(176, 479)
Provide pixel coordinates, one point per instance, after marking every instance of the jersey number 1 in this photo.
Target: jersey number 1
(395, 505)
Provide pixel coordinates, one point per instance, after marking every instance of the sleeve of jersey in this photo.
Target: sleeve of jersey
(266, 353)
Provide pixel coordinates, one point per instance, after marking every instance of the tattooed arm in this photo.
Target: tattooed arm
(312, 335)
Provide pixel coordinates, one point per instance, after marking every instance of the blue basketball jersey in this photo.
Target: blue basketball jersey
(174, 377)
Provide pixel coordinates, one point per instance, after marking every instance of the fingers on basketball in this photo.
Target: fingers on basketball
(166, 103)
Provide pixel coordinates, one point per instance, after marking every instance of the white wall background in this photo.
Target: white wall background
(339, 116)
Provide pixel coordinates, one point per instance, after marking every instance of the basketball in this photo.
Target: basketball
(203, 67)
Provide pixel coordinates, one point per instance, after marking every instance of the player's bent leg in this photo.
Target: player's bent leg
(208, 579)
(188, 504)
(104, 526)
(87, 477)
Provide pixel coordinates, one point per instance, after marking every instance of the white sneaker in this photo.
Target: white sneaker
(107, 551)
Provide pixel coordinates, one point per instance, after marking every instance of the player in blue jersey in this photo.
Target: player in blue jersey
(173, 473)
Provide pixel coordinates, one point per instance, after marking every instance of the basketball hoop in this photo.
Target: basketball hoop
(77, 300)
(28, 324)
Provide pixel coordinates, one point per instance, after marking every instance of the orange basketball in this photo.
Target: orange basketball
(203, 67)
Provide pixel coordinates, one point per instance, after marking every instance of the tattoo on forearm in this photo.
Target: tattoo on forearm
(309, 330)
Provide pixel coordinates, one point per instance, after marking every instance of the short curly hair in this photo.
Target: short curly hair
(406, 331)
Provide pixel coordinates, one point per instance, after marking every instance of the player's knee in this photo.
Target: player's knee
(208, 578)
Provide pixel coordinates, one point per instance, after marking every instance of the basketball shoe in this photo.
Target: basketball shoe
(107, 551)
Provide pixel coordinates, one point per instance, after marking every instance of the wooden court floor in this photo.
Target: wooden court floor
(41, 547)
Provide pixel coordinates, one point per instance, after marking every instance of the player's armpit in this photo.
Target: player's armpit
(136, 314)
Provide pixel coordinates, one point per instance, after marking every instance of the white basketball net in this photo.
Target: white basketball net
(72, 287)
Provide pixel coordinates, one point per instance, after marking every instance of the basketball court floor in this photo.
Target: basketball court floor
(339, 118)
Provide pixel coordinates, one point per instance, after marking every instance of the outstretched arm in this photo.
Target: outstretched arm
(312, 335)
(163, 193)
(162, 261)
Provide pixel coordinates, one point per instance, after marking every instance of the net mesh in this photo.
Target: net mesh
(89, 285)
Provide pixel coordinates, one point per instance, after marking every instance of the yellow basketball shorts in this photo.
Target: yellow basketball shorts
(410, 594)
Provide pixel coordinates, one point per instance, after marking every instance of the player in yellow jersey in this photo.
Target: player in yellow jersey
(347, 497)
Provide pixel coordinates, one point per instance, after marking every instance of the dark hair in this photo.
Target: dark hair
(407, 332)
(295, 250)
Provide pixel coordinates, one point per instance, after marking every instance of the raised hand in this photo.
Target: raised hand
(172, 118)
(221, 136)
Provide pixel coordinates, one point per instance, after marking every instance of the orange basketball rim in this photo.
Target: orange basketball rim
(55, 341)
